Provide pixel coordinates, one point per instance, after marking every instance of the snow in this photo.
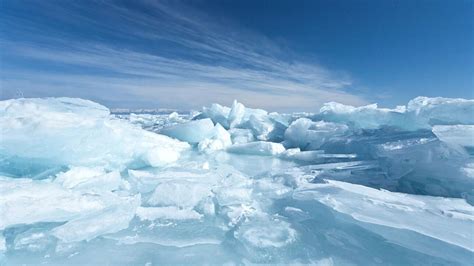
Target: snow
(347, 185)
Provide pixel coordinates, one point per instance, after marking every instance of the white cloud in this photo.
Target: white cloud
(199, 63)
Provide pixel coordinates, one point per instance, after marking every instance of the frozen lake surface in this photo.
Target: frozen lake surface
(235, 185)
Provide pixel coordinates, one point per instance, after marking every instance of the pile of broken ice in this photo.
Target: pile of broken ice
(347, 185)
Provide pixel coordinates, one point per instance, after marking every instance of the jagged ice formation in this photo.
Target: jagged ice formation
(347, 185)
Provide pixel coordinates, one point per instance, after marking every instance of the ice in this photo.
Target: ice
(3, 247)
(239, 114)
(184, 194)
(156, 120)
(63, 108)
(442, 111)
(266, 232)
(32, 240)
(220, 139)
(232, 196)
(421, 112)
(236, 114)
(191, 131)
(168, 213)
(233, 117)
(266, 128)
(345, 186)
(308, 135)
(314, 156)
(368, 117)
(66, 131)
(448, 220)
(261, 127)
(84, 178)
(24, 201)
(241, 135)
(425, 166)
(157, 157)
(218, 113)
(110, 220)
(462, 135)
(257, 148)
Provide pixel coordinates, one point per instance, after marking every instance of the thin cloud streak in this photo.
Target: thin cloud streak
(217, 66)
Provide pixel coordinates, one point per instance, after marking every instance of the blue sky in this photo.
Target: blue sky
(278, 55)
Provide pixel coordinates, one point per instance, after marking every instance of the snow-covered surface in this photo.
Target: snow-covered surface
(235, 185)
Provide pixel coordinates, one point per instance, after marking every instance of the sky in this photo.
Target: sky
(277, 55)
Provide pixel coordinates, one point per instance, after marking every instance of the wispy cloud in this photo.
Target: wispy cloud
(157, 54)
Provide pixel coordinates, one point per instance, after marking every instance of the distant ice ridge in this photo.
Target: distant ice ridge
(421, 148)
(419, 113)
(347, 185)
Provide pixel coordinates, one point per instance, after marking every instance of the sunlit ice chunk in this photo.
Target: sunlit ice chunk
(265, 128)
(64, 110)
(85, 178)
(239, 114)
(179, 193)
(236, 114)
(420, 113)
(367, 117)
(257, 148)
(67, 131)
(462, 135)
(308, 135)
(220, 139)
(192, 131)
(241, 135)
(217, 113)
(232, 117)
(442, 111)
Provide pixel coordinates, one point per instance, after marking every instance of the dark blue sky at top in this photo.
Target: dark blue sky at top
(281, 55)
(406, 47)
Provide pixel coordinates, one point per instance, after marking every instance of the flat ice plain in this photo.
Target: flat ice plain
(235, 185)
